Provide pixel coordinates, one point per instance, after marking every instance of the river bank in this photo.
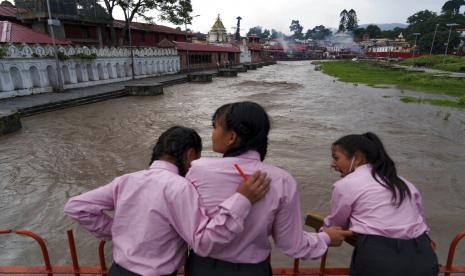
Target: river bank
(66, 152)
(382, 75)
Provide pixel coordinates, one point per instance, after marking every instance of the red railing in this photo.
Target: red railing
(101, 269)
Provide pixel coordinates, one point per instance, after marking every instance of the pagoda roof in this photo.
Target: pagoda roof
(218, 24)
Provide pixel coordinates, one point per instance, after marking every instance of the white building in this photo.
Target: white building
(218, 33)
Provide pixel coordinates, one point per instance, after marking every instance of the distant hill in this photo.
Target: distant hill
(386, 26)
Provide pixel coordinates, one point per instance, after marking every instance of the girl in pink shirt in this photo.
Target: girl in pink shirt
(384, 210)
(156, 211)
(240, 133)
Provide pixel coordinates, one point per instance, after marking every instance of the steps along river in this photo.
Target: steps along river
(63, 153)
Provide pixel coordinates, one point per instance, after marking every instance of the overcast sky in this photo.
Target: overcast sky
(278, 14)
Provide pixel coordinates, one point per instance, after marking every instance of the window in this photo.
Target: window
(200, 58)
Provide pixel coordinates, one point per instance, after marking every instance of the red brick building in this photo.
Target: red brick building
(207, 56)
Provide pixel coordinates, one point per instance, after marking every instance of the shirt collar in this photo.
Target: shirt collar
(164, 165)
(251, 154)
(366, 166)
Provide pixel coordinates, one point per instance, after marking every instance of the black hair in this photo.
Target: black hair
(250, 122)
(383, 168)
(174, 142)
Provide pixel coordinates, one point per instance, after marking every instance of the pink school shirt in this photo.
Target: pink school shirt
(277, 214)
(361, 204)
(156, 210)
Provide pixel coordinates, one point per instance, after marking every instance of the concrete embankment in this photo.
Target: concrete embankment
(39, 103)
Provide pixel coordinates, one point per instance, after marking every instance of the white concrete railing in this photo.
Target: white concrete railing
(31, 69)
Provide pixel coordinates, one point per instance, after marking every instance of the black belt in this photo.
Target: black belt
(224, 264)
(118, 270)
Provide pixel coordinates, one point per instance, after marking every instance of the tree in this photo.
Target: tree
(318, 33)
(352, 20)
(343, 21)
(174, 11)
(348, 21)
(297, 29)
(452, 7)
(421, 17)
(257, 30)
(27, 4)
(275, 34)
(266, 34)
(373, 31)
(238, 30)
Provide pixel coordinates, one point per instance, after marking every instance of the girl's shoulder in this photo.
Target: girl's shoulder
(207, 161)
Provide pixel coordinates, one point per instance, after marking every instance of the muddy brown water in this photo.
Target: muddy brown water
(63, 153)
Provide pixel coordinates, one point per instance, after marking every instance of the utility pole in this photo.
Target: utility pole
(416, 39)
(187, 44)
(448, 40)
(130, 41)
(51, 23)
(434, 38)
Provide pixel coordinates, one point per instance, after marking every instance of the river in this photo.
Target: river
(64, 153)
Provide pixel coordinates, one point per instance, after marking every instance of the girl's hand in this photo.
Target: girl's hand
(255, 187)
(337, 235)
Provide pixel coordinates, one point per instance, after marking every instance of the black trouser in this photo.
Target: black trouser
(381, 256)
(206, 266)
(117, 270)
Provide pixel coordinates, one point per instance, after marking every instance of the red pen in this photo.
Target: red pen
(241, 172)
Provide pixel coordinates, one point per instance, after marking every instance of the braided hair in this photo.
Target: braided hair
(174, 142)
(250, 122)
(383, 168)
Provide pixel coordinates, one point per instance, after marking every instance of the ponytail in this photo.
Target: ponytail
(250, 122)
(174, 142)
(383, 168)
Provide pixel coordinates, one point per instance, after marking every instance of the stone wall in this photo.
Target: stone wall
(31, 69)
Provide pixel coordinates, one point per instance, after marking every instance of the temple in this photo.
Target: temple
(218, 33)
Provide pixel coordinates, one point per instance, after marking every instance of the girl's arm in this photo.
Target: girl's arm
(202, 233)
(287, 229)
(88, 210)
(341, 208)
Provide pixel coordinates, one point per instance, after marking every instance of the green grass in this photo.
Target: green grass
(452, 63)
(437, 102)
(370, 74)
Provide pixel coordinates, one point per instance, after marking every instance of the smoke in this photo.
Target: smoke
(343, 41)
(283, 43)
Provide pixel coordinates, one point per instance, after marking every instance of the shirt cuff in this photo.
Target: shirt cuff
(238, 205)
(325, 237)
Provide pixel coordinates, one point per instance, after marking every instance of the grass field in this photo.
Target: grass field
(451, 63)
(373, 75)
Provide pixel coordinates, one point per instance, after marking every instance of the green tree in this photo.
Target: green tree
(352, 20)
(266, 34)
(421, 17)
(452, 7)
(358, 33)
(343, 18)
(318, 33)
(297, 29)
(173, 11)
(373, 31)
(276, 34)
(257, 30)
(27, 4)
